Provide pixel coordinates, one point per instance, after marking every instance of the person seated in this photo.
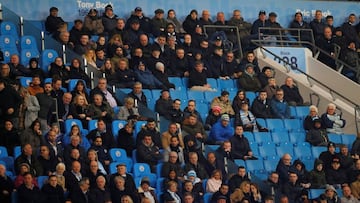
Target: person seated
(224, 103)
(148, 152)
(7, 185)
(117, 53)
(47, 161)
(213, 117)
(101, 109)
(174, 147)
(74, 144)
(224, 155)
(326, 42)
(100, 154)
(81, 193)
(261, 106)
(179, 64)
(173, 131)
(79, 110)
(28, 192)
(221, 131)
(317, 136)
(279, 107)
(249, 58)
(222, 195)
(148, 80)
(266, 73)
(102, 131)
(191, 126)
(238, 99)
(271, 88)
(52, 191)
(247, 119)
(125, 138)
(174, 113)
(10, 136)
(249, 80)
(292, 188)
(27, 156)
(317, 176)
(191, 109)
(145, 191)
(59, 69)
(309, 119)
(171, 194)
(151, 129)
(35, 86)
(198, 78)
(16, 68)
(23, 168)
(161, 74)
(53, 20)
(332, 121)
(328, 155)
(5, 74)
(335, 175)
(120, 191)
(125, 77)
(93, 23)
(194, 165)
(128, 111)
(240, 145)
(299, 23)
(108, 19)
(172, 163)
(291, 93)
(163, 103)
(138, 94)
(77, 72)
(100, 193)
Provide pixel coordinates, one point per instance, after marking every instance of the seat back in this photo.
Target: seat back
(118, 154)
(47, 57)
(141, 169)
(25, 81)
(27, 54)
(116, 125)
(70, 122)
(3, 151)
(9, 28)
(28, 42)
(254, 165)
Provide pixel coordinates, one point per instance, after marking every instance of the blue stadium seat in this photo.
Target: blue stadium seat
(178, 94)
(138, 126)
(293, 125)
(118, 154)
(27, 54)
(303, 151)
(297, 137)
(267, 149)
(125, 90)
(270, 165)
(8, 161)
(203, 109)
(17, 151)
(185, 82)
(70, 122)
(239, 162)
(249, 136)
(141, 169)
(211, 148)
(293, 111)
(196, 95)
(207, 197)
(148, 93)
(156, 93)
(3, 151)
(309, 163)
(25, 81)
(280, 137)
(275, 125)
(8, 52)
(14, 197)
(28, 42)
(116, 125)
(261, 122)
(254, 165)
(255, 148)
(151, 104)
(251, 96)
(302, 111)
(177, 81)
(262, 137)
(158, 169)
(335, 138)
(261, 175)
(348, 139)
(38, 24)
(92, 124)
(9, 28)
(316, 151)
(46, 58)
(209, 96)
(226, 84)
(212, 82)
(285, 148)
(7, 42)
(42, 180)
(315, 193)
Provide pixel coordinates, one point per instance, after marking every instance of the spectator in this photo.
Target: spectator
(173, 131)
(76, 33)
(132, 35)
(80, 90)
(101, 131)
(77, 72)
(174, 147)
(120, 191)
(261, 106)
(100, 193)
(329, 21)
(58, 68)
(47, 161)
(346, 161)
(123, 77)
(10, 136)
(109, 70)
(331, 194)
(309, 119)
(28, 192)
(158, 23)
(179, 64)
(317, 136)
(332, 121)
(148, 152)
(272, 187)
(32, 135)
(45, 101)
(190, 22)
(35, 86)
(271, 88)
(249, 80)
(174, 113)
(173, 164)
(121, 172)
(79, 110)
(260, 23)
(221, 131)
(82, 193)
(224, 155)
(53, 20)
(214, 182)
(125, 138)
(349, 30)
(109, 19)
(28, 109)
(247, 119)
(213, 117)
(326, 42)
(64, 39)
(221, 195)
(171, 18)
(119, 29)
(195, 166)
(292, 188)
(35, 70)
(317, 24)
(52, 191)
(241, 193)
(283, 167)
(7, 185)
(149, 128)
(55, 147)
(93, 23)
(145, 22)
(9, 107)
(83, 45)
(138, 94)
(63, 111)
(100, 154)
(107, 94)
(5, 74)
(115, 41)
(328, 156)
(266, 73)
(355, 186)
(191, 109)
(198, 78)
(191, 126)
(29, 158)
(163, 103)
(317, 175)
(279, 107)
(243, 26)
(240, 145)
(347, 196)
(224, 103)
(128, 111)
(212, 163)
(299, 23)
(146, 191)
(161, 73)
(16, 68)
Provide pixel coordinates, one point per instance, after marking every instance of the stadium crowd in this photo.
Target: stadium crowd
(143, 52)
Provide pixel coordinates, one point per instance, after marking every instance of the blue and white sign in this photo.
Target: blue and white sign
(294, 56)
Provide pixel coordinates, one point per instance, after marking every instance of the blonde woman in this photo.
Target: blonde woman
(128, 111)
(114, 42)
(79, 110)
(213, 184)
(90, 58)
(28, 109)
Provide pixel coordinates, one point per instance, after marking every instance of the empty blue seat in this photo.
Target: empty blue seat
(285, 148)
(270, 165)
(211, 148)
(254, 165)
(118, 154)
(17, 151)
(148, 93)
(251, 96)
(280, 137)
(178, 94)
(261, 122)
(316, 151)
(196, 95)
(309, 163)
(3, 151)
(261, 175)
(249, 136)
(203, 109)
(125, 90)
(207, 197)
(212, 82)
(293, 125)
(293, 111)
(262, 137)
(156, 93)
(209, 96)
(315, 193)
(185, 81)
(239, 162)
(46, 58)
(9, 28)
(8, 161)
(138, 126)
(141, 169)
(42, 180)
(302, 111)
(254, 148)
(28, 42)
(7, 42)
(275, 124)
(267, 149)
(25, 81)
(226, 84)
(177, 82)
(348, 139)
(297, 137)
(92, 124)
(335, 138)
(302, 151)
(116, 125)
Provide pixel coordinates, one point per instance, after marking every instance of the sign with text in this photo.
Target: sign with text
(294, 56)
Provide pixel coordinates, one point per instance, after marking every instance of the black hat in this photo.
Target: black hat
(224, 93)
(145, 180)
(317, 119)
(159, 10)
(135, 21)
(244, 102)
(221, 197)
(138, 9)
(155, 48)
(331, 144)
(249, 65)
(272, 14)
(108, 7)
(218, 38)
(53, 9)
(262, 12)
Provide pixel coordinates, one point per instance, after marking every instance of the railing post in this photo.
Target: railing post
(21, 26)
(42, 41)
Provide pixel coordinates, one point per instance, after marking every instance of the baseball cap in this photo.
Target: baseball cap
(225, 117)
(157, 11)
(108, 7)
(262, 12)
(138, 9)
(272, 14)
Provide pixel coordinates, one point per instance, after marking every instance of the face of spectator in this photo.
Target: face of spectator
(79, 26)
(344, 151)
(2, 170)
(67, 98)
(64, 37)
(229, 57)
(250, 57)
(121, 170)
(120, 24)
(286, 160)
(28, 150)
(53, 181)
(327, 33)
(352, 19)
(318, 15)
(101, 126)
(161, 40)
(151, 125)
(135, 26)
(58, 61)
(98, 100)
(14, 59)
(220, 17)
(237, 15)
(28, 180)
(280, 95)
(313, 112)
(242, 172)
(47, 88)
(143, 40)
(75, 154)
(239, 130)
(176, 105)
(173, 158)
(284, 200)
(36, 81)
(187, 39)
(191, 106)
(335, 165)
(262, 17)
(211, 158)
(224, 98)
(174, 142)
(44, 151)
(188, 199)
(188, 186)
(199, 67)
(75, 141)
(147, 140)
(293, 177)
(245, 107)
(5, 70)
(54, 13)
(193, 159)
(224, 123)
(274, 178)
(192, 120)
(76, 167)
(298, 17)
(84, 39)
(100, 182)
(172, 128)
(330, 193)
(319, 167)
(346, 191)
(120, 183)
(137, 89)
(8, 126)
(330, 21)
(331, 110)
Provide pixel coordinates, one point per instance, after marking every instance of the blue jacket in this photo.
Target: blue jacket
(280, 109)
(147, 78)
(220, 133)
